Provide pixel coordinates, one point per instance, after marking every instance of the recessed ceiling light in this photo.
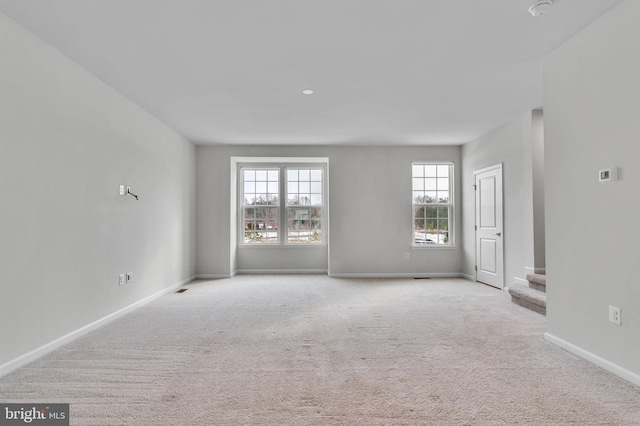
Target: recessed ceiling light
(539, 8)
(307, 92)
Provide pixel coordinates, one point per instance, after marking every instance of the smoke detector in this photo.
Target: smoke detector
(539, 8)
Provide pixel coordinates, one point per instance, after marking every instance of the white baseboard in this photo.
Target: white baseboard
(281, 271)
(398, 275)
(623, 373)
(529, 270)
(212, 276)
(518, 280)
(55, 344)
(339, 275)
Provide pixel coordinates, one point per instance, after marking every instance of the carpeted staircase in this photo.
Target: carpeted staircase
(533, 297)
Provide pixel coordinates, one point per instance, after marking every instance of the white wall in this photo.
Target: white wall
(591, 122)
(537, 157)
(511, 146)
(213, 212)
(66, 143)
(370, 213)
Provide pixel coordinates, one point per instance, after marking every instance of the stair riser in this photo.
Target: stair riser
(539, 287)
(531, 306)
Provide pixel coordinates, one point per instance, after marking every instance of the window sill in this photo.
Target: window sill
(433, 246)
(286, 246)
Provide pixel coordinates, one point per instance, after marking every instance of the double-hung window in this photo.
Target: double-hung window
(432, 186)
(261, 205)
(285, 197)
(304, 205)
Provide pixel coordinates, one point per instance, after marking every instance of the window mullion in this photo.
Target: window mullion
(282, 206)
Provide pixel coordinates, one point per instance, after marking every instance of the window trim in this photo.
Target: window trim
(450, 205)
(242, 207)
(286, 206)
(282, 164)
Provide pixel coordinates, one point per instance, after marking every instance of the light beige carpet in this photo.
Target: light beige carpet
(311, 350)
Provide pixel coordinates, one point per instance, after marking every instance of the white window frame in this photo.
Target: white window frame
(312, 203)
(268, 169)
(450, 205)
(282, 164)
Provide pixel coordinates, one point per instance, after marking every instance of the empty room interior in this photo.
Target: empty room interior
(321, 212)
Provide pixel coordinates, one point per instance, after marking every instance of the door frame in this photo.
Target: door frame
(500, 211)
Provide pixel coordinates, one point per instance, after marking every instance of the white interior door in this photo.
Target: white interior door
(489, 234)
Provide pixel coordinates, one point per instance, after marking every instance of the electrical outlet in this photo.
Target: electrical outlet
(406, 256)
(615, 314)
(121, 189)
(129, 277)
(121, 279)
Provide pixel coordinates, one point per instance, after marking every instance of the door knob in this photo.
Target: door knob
(498, 233)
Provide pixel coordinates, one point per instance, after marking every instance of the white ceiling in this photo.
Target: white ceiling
(385, 72)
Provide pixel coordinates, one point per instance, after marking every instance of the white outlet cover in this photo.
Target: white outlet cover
(121, 189)
(615, 314)
(121, 279)
(129, 277)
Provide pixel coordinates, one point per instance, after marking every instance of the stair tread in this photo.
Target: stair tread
(537, 278)
(534, 296)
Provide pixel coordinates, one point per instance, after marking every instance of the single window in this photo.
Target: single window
(260, 205)
(432, 186)
(304, 205)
